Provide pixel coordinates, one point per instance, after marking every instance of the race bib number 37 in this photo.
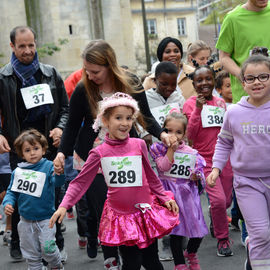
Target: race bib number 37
(37, 95)
(182, 166)
(122, 171)
(212, 116)
(28, 182)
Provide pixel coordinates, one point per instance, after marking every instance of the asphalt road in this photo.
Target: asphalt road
(78, 259)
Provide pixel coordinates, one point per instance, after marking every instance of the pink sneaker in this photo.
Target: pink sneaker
(192, 260)
(181, 267)
(82, 242)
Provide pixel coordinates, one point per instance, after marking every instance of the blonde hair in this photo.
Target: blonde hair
(99, 52)
(31, 136)
(194, 48)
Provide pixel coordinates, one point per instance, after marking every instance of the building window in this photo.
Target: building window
(151, 26)
(181, 25)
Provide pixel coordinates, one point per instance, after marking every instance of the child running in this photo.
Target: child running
(179, 168)
(223, 86)
(205, 114)
(165, 96)
(133, 217)
(244, 138)
(32, 186)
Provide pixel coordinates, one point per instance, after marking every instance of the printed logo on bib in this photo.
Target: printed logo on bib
(161, 112)
(212, 116)
(37, 95)
(183, 165)
(28, 182)
(122, 171)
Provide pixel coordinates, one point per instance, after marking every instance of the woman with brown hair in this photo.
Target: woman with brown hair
(101, 78)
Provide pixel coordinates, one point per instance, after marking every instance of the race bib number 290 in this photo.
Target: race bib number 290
(28, 182)
(122, 171)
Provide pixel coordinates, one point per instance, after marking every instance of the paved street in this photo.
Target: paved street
(78, 259)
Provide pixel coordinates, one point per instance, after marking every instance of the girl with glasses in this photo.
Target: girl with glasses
(244, 138)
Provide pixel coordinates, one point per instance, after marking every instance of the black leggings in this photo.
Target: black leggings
(176, 242)
(133, 257)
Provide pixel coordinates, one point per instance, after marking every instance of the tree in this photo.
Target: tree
(220, 9)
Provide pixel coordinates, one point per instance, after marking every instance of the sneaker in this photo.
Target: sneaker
(82, 242)
(181, 267)
(234, 224)
(7, 238)
(244, 233)
(247, 262)
(223, 248)
(192, 260)
(111, 264)
(60, 267)
(92, 245)
(63, 227)
(211, 227)
(63, 255)
(70, 215)
(15, 252)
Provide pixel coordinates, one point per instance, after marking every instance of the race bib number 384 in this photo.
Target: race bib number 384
(212, 116)
(28, 182)
(122, 171)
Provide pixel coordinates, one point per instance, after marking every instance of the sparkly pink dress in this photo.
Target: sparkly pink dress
(132, 215)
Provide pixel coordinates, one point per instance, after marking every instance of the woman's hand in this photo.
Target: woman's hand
(58, 214)
(172, 206)
(165, 138)
(212, 177)
(59, 163)
(200, 100)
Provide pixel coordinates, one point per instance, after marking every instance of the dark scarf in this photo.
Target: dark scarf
(26, 75)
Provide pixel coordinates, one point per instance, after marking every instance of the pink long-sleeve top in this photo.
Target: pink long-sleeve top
(203, 139)
(121, 199)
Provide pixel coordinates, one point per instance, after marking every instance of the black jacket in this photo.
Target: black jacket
(58, 116)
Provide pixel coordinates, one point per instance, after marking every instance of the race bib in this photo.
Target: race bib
(161, 112)
(28, 182)
(183, 165)
(37, 95)
(122, 171)
(212, 116)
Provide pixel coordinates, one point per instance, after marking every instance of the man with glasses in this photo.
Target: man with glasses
(245, 27)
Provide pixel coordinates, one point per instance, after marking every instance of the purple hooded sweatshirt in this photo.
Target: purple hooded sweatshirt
(245, 137)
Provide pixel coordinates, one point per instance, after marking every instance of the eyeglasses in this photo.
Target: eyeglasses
(261, 77)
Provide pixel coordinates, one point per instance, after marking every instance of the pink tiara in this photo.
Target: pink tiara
(174, 110)
(117, 99)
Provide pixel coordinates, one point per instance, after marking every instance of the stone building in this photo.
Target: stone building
(78, 21)
(175, 18)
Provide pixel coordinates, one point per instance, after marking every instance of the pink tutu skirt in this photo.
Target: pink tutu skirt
(137, 228)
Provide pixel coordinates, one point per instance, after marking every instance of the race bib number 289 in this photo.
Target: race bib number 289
(122, 171)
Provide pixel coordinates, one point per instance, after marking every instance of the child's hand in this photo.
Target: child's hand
(9, 209)
(174, 146)
(173, 139)
(200, 100)
(212, 177)
(172, 206)
(58, 214)
(59, 163)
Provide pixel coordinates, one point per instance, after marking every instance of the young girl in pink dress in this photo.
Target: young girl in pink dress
(137, 210)
(180, 169)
